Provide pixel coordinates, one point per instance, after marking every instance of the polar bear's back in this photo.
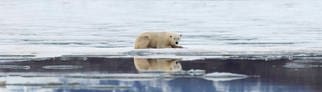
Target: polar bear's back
(150, 39)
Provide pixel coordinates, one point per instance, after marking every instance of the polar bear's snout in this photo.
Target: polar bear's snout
(177, 42)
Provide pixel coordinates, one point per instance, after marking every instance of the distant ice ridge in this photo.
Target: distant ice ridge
(23, 52)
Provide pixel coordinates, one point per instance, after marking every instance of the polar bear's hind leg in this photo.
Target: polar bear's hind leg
(142, 42)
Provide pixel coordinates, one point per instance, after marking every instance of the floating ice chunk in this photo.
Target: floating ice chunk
(196, 72)
(216, 76)
(16, 80)
(224, 74)
(294, 65)
(14, 67)
(62, 67)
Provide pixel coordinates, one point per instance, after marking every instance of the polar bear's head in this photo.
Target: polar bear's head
(174, 38)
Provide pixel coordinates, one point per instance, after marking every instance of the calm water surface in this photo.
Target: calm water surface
(94, 74)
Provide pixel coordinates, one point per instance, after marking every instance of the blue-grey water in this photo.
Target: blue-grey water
(275, 43)
(97, 74)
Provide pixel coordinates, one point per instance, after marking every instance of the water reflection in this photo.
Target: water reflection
(98, 74)
(157, 65)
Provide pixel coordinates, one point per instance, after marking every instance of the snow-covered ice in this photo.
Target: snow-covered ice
(60, 27)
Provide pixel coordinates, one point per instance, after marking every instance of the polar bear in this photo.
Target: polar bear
(158, 40)
(157, 64)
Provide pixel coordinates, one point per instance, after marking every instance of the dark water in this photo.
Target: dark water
(98, 74)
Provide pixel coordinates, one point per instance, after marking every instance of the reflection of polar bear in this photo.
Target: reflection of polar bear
(158, 40)
(162, 65)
